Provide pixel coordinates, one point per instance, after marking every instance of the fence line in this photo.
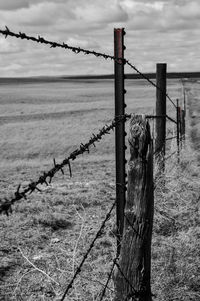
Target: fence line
(46, 177)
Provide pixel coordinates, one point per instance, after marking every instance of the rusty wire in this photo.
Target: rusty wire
(77, 50)
(46, 177)
(98, 235)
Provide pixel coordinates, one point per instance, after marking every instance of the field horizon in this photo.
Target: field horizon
(150, 75)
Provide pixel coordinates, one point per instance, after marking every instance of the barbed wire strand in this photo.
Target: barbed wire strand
(171, 119)
(161, 116)
(168, 157)
(108, 279)
(6, 204)
(131, 225)
(98, 235)
(149, 80)
(134, 292)
(170, 138)
(77, 50)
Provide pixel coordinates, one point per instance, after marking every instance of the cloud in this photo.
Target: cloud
(101, 12)
(13, 5)
(18, 4)
(8, 47)
(161, 15)
(41, 14)
(165, 30)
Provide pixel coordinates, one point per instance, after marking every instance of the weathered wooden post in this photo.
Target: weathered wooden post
(119, 133)
(161, 111)
(133, 271)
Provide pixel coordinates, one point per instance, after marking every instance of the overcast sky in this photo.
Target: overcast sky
(156, 31)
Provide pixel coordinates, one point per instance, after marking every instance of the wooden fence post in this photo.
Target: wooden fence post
(132, 274)
(161, 111)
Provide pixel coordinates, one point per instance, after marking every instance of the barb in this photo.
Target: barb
(77, 50)
(6, 204)
(98, 234)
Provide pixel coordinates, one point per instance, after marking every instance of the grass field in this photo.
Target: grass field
(44, 239)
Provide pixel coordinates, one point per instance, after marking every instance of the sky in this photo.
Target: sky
(166, 31)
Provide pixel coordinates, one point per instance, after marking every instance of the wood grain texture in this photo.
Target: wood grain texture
(135, 256)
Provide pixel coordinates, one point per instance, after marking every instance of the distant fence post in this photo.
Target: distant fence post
(183, 123)
(184, 100)
(161, 111)
(119, 133)
(132, 276)
(178, 128)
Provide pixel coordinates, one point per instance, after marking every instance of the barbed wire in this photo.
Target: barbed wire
(171, 119)
(169, 156)
(161, 116)
(7, 32)
(108, 279)
(149, 80)
(131, 225)
(171, 138)
(52, 44)
(134, 293)
(6, 204)
(46, 177)
(98, 235)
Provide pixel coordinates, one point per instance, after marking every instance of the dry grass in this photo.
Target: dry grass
(177, 231)
(45, 238)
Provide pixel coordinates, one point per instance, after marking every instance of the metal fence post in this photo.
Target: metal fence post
(161, 111)
(119, 133)
(178, 129)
